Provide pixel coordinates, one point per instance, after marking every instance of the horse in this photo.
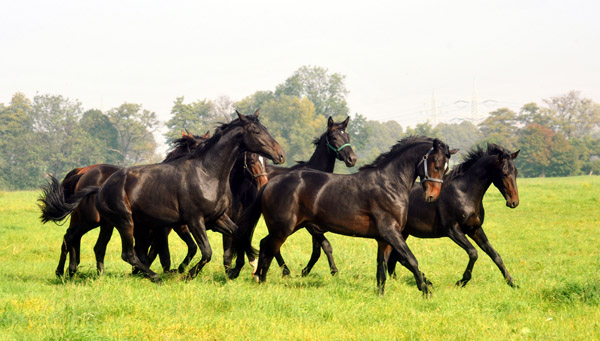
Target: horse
(246, 178)
(459, 210)
(85, 217)
(331, 145)
(372, 203)
(192, 190)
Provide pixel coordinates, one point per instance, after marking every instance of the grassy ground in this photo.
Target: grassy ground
(550, 244)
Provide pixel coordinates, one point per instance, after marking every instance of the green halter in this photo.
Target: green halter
(337, 150)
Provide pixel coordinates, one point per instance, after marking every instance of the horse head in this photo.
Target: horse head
(256, 169)
(257, 139)
(338, 141)
(505, 175)
(434, 165)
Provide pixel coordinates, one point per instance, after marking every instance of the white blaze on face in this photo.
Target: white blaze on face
(262, 161)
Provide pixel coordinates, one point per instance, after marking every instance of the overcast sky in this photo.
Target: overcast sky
(397, 56)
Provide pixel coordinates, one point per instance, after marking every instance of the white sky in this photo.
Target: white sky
(395, 54)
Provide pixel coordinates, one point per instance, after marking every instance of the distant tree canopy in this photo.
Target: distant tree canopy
(52, 134)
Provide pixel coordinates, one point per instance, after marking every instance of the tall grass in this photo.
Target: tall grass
(550, 244)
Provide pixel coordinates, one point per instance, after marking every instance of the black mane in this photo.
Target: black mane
(475, 155)
(182, 146)
(222, 129)
(398, 148)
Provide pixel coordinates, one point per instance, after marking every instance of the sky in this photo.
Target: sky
(399, 57)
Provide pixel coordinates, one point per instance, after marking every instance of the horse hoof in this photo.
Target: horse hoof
(334, 272)
(156, 279)
(305, 272)
(256, 279)
(461, 283)
(286, 271)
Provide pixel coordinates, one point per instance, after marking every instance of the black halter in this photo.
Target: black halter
(426, 177)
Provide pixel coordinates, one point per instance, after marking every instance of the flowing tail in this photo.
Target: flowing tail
(53, 205)
(242, 237)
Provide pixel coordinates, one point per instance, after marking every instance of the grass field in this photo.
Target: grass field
(550, 244)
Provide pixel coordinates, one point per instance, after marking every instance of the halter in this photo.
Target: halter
(250, 171)
(426, 177)
(337, 150)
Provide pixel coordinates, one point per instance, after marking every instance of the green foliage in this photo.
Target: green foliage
(103, 133)
(326, 91)
(499, 128)
(134, 126)
(574, 116)
(196, 117)
(548, 243)
(535, 142)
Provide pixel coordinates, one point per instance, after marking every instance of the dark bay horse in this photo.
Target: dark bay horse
(85, 217)
(372, 203)
(192, 190)
(459, 210)
(331, 145)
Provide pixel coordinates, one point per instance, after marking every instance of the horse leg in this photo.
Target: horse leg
(405, 256)
(285, 271)
(161, 239)
(60, 269)
(106, 231)
(184, 233)
(128, 254)
(314, 257)
(459, 238)
(381, 266)
(232, 273)
(481, 239)
(198, 230)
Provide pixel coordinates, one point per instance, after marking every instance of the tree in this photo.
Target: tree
(532, 113)
(423, 129)
(574, 116)
(103, 133)
(135, 126)
(463, 135)
(19, 150)
(196, 117)
(500, 128)
(562, 157)
(535, 142)
(327, 91)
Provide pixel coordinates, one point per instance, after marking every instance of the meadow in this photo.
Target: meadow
(550, 243)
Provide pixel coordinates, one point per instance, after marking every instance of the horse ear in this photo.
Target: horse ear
(206, 135)
(256, 112)
(242, 118)
(514, 155)
(329, 122)
(345, 123)
(436, 144)
(454, 151)
(182, 133)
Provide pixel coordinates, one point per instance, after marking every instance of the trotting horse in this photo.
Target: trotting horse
(459, 210)
(372, 203)
(192, 190)
(331, 145)
(85, 217)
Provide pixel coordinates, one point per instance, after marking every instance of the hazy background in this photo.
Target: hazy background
(398, 57)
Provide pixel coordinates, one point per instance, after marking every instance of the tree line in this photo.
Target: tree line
(51, 134)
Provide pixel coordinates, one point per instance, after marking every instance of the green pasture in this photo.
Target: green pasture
(550, 244)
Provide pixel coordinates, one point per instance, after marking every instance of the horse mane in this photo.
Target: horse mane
(473, 156)
(182, 146)
(221, 130)
(397, 149)
(316, 142)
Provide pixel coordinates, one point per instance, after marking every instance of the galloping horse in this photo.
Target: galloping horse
(85, 217)
(192, 190)
(459, 210)
(372, 203)
(331, 145)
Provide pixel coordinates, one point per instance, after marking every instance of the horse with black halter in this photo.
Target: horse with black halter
(192, 190)
(331, 145)
(459, 210)
(372, 203)
(85, 217)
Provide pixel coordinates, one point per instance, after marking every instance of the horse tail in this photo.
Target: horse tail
(69, 183)
(242, 237)
(53, 205)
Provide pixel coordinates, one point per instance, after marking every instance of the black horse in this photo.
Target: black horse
(85, 217)
(372, 203)
(459, 210)
(331, 145)
(192, 190)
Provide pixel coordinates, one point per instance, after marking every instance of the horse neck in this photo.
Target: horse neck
(217, 159)
(478, 178)
(322, 159)
(404, 168)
